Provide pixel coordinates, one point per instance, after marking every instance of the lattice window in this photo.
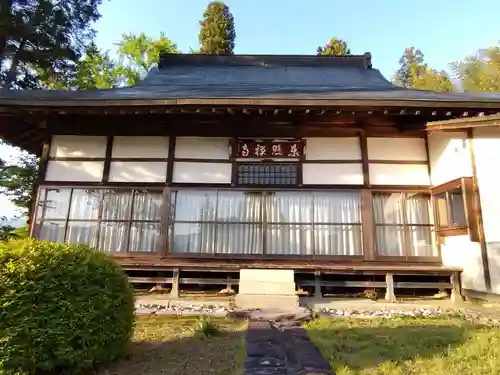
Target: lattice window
(267, 174)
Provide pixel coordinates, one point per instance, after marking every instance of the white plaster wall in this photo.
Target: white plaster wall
(140, 147)
(126, 171)
(459, 251)
(342, 148)
(188, 172)
(202, 148)
(77, 146)
(90, 171)
(412, 149)
(332, 174)
(487, 151)
(449, 156)
(399, 174)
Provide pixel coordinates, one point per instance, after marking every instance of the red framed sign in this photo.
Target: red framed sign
(268, 149)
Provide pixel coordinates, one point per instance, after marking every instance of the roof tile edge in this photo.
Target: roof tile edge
(358, 61)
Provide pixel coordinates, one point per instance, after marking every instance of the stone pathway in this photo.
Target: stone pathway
(281, 347)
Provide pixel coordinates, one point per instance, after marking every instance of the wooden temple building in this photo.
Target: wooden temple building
(219, 168)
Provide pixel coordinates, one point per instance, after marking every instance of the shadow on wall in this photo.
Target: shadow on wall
(493, 249)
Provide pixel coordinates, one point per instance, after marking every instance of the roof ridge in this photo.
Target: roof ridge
(173, 59)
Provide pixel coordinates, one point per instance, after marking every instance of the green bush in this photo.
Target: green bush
(63, 308)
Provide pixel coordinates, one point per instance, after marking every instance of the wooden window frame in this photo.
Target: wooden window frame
(465, 184)
(407, 257)
(129, 221)
(264, 224)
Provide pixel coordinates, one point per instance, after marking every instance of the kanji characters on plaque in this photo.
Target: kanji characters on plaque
(268, 149)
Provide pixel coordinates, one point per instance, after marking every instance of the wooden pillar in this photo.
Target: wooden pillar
(174, 292)
(479, 213)
(456, 295)
(317, 285)
(389, 291)
(229, 285)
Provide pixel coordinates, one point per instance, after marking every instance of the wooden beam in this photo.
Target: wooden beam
(107, 159)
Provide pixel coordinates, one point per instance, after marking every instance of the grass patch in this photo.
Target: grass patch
(206, 327)
(407, 346)
(182, 345)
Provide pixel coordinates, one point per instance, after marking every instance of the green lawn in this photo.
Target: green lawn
(407, 346)
(169, 346)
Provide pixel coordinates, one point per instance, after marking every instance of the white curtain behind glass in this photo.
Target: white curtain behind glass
(400, 219)
(337, 217)
(295, 223)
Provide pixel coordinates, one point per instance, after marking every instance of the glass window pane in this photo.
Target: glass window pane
(337, 207)
(418, 209)
(338, 240)
(116, 205)
(193, 238)
(52, 231)
(289, 239)
(144, 237)
(82, 233)
(441, 207)
(421, 242)
(113, 237)
(194, 205)
(289, 207)
(239, 239)
(239, 206)
(147, 205)
(390, 240)
(85, 204)
(388, 208)
(458, 217)
(54, 204)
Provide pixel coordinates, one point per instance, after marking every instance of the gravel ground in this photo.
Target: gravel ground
(186, 310)
(415, 312)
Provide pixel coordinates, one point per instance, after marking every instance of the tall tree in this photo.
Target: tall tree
(411, 67)
(480, 72)
(415, 73)
(42, 35)
(334, 47)
(95, 70)
(217, 32)
(139, 53)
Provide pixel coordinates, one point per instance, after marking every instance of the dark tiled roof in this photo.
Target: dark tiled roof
(184, 79)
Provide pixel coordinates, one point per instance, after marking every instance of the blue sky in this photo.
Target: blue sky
(444, 30)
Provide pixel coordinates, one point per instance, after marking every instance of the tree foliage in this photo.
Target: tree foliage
(95, 69)
(139, 53)
(17, 179)
(217, 34)
(416, 74)
(480, 72)
(334, 47)
(43, 36)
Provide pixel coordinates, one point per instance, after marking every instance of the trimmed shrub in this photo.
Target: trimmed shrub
(63, 308)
